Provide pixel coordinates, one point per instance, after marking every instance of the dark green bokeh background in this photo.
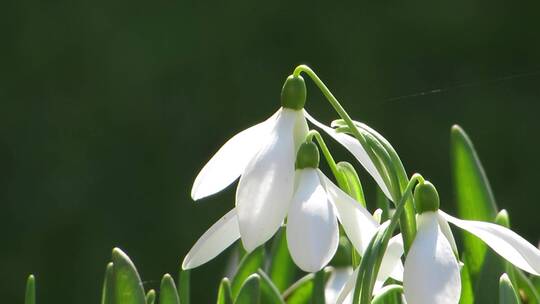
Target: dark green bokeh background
(110, 108)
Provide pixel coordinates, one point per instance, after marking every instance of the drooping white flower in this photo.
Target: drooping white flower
(432, 272)
(263, 157)
(315, 208)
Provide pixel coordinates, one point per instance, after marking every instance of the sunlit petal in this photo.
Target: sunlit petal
(216, 239)
(445, 229)
(231, 159)
(336, 282)
(266, 186)
(391, 265)
(352, 144)
(431, 272)
(312, 228)
(504, 241)
(358, 223)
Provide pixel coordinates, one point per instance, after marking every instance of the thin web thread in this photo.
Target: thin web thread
(463, 85)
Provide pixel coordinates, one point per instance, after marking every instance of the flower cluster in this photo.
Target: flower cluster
(280, 185)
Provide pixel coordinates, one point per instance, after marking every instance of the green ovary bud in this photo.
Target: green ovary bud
(426, 197)
(307, 156)
(293, 93)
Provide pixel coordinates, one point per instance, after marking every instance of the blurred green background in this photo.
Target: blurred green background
(110, 108)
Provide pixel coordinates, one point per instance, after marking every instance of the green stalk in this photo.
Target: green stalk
(394, 176)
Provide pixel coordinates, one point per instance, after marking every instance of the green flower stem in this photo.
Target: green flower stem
(408, 221)
(327, 155)
(394, 176)
(377, 247)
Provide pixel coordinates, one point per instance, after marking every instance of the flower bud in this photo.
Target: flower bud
(426, 197)
(293, 93)
(308, 156)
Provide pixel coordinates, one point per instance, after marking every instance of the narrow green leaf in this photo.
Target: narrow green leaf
(353, 182)
(281, 267)
(269, 292)
(127, 283)
(248, 266)
(224, 293)
(30, 293)
(301, 291)
(108, 287)
(250, 291)
(150, 296)
(467, 291)
(507, 293)
(184, 279)
(474, 197)
(167, 291)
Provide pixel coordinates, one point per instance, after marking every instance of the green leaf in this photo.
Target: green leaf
(467, 293)
(524, 285)
(224, 293)
(474, 197)
(507, 293)
(248, 266)
(250, 291)
(387, 293)
(184, 279)
(281, 268)
(269, 292)
(301, 291)
(353, 182)
(150, 296)
(30, 293)
(127, 283)
(108, 287)
(167, 291)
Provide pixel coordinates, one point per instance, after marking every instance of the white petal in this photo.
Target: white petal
(357, 222)
(431, 270)
(391, 265)
(335, 284)
(504, 241)
(445, 229)
(265, 189)
(216, 239)
(352, 144)
(312, 228)
(347, 292)
(231, 159)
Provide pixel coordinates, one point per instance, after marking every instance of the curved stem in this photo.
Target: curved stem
(393, 180)
(326, 152)
(367, 273)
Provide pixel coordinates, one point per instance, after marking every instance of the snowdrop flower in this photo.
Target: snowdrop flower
(312, 230)
(432, 272)
(263, 156)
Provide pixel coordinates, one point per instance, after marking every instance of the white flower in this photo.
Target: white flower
(312, 226)
(432, 272)
(263, 156)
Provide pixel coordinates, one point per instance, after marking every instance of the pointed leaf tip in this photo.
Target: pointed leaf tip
(30, 294)
(224, 292)
(250, 291)
(168, 293)
(507, 293)
(127, 282)
(151, 296)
